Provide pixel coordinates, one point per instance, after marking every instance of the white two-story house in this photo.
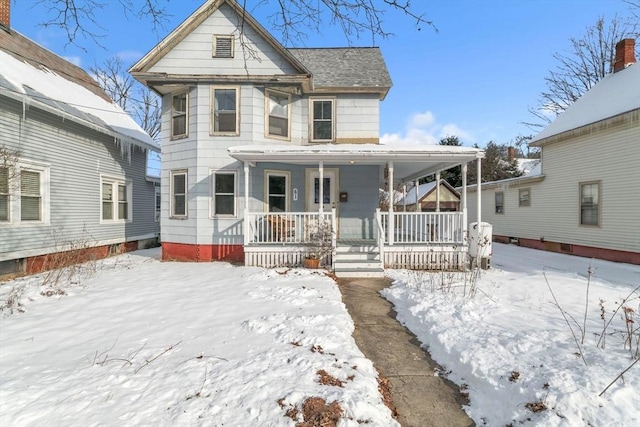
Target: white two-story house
(262, 143)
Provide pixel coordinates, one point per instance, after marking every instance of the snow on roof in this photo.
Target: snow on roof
(40, 84)
(529, 167)
(615, 94)
(423, 189)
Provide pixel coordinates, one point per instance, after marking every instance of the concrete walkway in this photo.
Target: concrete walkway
(422, 399)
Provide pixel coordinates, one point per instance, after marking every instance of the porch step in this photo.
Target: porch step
(358, 260)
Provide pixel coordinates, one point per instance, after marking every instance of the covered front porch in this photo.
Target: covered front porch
(329, 205)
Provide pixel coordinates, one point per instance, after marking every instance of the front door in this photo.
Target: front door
(329, 190)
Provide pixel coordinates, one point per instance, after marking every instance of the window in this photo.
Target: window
(223, 46)
(4, 194)
(225, 108)
(178, 194)
(524, 197)
(590, 203)
(322, 119)
(116, 199)
(499, 197)
(24, 193)
(157, 203)
(277, 191)
(278, 114)
(224, 193)
(179, 107)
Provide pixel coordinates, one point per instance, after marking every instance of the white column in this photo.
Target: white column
(246, 203)
(321, 186)
(391, 201)
(438, 192)
(417, 201)
(404, 197)
(479, 198)
(464, 202)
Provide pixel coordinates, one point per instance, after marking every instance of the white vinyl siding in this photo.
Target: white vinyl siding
(225, 110)
(116, 197)
(224, 193)
(178, 192)
(179, 115)
(278, 114)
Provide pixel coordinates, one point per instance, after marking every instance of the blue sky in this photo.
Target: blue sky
(475, 78)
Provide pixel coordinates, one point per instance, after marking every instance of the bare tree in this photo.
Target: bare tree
(293, 19)
(136, 99)
(590, 58)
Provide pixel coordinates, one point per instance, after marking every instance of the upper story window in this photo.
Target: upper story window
(223, 46)
(499, 201)
(178, 194)
(524, 197)
(179, 115)
(322, 119)
(278, 114)
(116, 199)
(225, 104)
(590, 203)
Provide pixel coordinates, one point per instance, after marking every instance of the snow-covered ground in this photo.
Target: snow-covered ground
(140, 342)
(509, 345)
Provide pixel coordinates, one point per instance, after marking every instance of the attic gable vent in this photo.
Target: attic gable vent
(223, 46)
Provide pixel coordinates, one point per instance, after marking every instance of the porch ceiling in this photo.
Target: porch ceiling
(409, 162)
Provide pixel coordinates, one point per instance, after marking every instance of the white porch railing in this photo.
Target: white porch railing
(424, 227)
(298, 228)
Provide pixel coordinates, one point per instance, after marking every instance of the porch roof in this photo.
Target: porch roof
(410, 162)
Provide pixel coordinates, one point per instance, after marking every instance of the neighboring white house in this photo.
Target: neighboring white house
(262, 144)
(72, 163)
(585, 197)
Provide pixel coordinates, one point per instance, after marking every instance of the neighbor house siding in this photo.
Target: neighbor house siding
(197, 47)
(608, 155)
(77, 158)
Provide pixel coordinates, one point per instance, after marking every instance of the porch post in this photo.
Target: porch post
(437, 191)
(464, 202)
(391, 201)
(246, 202)
(478, 191)
(404, 197)
(321, 187)
(417, 202)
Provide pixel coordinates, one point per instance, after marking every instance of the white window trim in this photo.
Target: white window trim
(186, 193)
(212, 204)
(273, 172)
(186, 126)
(115, 182)
(333, 118)
(15, 193)
(212, 131)
(599, 184)
(214, 53)
(267, 115)
(157, 210)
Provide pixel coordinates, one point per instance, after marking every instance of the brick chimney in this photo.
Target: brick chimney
(511, 154)
(625, 54)
(4, 13)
